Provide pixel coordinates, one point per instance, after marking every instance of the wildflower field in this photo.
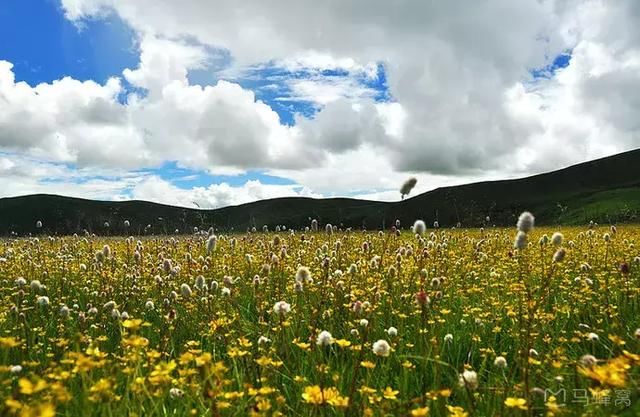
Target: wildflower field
(435, 322)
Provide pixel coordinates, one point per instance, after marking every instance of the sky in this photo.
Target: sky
(214, 103)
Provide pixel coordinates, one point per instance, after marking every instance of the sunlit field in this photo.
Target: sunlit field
(443, 322)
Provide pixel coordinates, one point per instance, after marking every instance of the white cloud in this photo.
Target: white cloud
(216, 195)
(464, 104)
(221, 126)
(448, 67)
(164, 61)
(20, 175)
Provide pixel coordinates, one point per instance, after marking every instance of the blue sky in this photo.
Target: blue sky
(44, 46)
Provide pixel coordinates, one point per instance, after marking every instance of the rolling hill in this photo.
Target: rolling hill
(605, 190)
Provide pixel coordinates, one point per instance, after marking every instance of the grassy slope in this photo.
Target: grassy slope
(604, 190)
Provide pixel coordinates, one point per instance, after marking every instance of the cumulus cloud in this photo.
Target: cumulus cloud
(450, 68)
(462, 101)
(89, 124)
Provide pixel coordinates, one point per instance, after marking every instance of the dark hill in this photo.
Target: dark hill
(605, 190)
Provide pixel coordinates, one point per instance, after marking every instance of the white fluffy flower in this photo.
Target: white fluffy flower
(381, 348)
(392, 331)
(525, 222)
(588, 360)
(282, 308)
(500, 362)
(468, 379)
(324, 338)
(559, 255)
(303, 274)
(263, 340)
(211, 243)
(419, 227)
(521, 240)
(185, 290)
(557, 238)
(176, 393)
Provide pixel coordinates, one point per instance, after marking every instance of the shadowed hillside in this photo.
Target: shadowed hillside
(606, 190)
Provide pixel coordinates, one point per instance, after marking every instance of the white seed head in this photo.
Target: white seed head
(381, 348)
(468, 379)
(500, 362)
(324, 338)
(525, 222)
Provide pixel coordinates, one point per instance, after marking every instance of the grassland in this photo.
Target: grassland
(445, 323)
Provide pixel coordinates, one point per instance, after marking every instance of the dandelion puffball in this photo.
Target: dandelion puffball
(525, 222)
(408, 186)
(324, 338)
(500, 362)
(520, 241)
(282, 308)
(559, 255)
(557, 239)
(381, 348)
(468, 379)
(211, 243)
(303, 274)
(419, 227)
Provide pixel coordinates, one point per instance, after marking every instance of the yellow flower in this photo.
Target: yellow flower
(9, 342)
(390, 394)
(364, 390)
(266, 390)
(244, 342)
(457, 411)
(613, 373)
(520, 403)
(232, 395)
(343, 343)
(313, 395)
(132, 324)
(367, 364)
(28, 388)
(235, 352)
(263, 405)
(445, 392)
(42, 410)
(101, 390)
(420, 412)
(263, 361)
(203, 359)
(12, 405)
(302, 345)
(161, 373)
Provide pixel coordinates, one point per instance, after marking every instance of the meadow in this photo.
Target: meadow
(429, 322)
